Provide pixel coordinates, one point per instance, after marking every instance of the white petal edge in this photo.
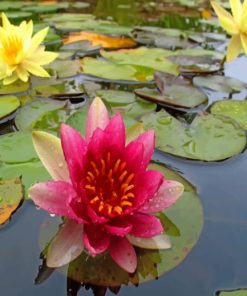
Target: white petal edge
(158, 242)
(50, 152)
(66, 246)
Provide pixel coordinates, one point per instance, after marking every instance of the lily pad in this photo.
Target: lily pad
(8, 104)
(186, 214)
(234, 109)
(220, 83)
(11, 196)
(16, 87)
(30, 172)
(242, 292)
(117, 97)
(208, 138)
(33, 112)
(173, 91)
(65, 69)
(153, 58)
(17, 148)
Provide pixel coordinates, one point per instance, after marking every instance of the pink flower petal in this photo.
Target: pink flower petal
(97, 117)
(133, 155)
(123, 253)
(115, 132)
(119, 227)
(145, 225)
(148, 141)
(168, 194)
(98, 144)
(50, 152)
(95, 239)
(53, 196)
(158, 242)
(75, 149)
(95, 217)
(147, 184)
(66, 246)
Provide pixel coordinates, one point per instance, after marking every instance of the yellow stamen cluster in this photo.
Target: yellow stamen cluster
(109, 186)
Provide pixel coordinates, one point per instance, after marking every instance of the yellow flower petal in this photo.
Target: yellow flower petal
(234, 48)
(226, 19)
(5, 21)
(237, 10)
(37, 39)
(244, 42)
(22, 74)
(35, 69)
(43, 57)
(10, 79)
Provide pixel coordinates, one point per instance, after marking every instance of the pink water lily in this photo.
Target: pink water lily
(104, 189)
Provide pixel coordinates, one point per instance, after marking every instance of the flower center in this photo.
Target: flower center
(13, 49)
(109, 186)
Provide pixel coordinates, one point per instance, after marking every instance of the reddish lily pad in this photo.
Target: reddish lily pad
(209, 137)
(11, 196)
(185, 222)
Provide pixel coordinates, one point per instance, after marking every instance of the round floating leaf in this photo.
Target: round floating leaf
(33, 112)
(209, 137)
(154, 58)
(242, 292)
(8, 105)
(234, 109)
(173, 91)
(11, 195)
(14, 88)
(31, 172)
(65, 69)
(186, 221)
(17, 147)
(108, 70)
(117, 97)
(220, 83)
(38, 9)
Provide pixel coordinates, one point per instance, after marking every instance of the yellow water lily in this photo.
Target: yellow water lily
(20, 53)
(234, 24)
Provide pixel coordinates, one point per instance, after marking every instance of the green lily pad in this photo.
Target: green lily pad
(11, 196)
(173, 91)
(108, 70)
(234, 109)
(30, 172)
(16, 87)
(38, 9)
(8, 104)
(33, 112)
(242, 292)
(186, 214)
(116, 97)
(220, 83)
(153, 58)
(126, 103)
(208, 138)
(65, 69)
(17, 147)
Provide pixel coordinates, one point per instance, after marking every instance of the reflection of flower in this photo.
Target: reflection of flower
(20, 53)
(106, 193)
(235, 25)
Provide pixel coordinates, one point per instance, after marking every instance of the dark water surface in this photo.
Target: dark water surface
(217, 262)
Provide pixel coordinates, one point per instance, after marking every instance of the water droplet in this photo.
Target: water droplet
(60, 164)
(37, 208)
(52, 215)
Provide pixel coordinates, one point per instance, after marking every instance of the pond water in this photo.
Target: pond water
(217, 262)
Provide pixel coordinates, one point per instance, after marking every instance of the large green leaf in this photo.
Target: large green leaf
(242, 292)
(173, 91)
(33, 112)
(16, 87)
(153, 58)
(209, 137)
(17, 148)
(234, 109)
(8, 104)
